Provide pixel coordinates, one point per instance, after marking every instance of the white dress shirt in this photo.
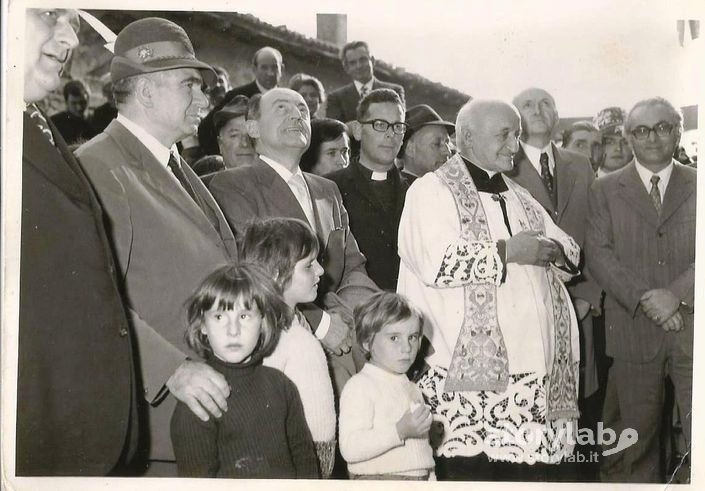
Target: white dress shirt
(645, 176)
(368, 85)
(534, 156)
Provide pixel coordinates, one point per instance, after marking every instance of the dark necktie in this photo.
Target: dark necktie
(363, 91)
(546, 176)
(655, 193)
(175, 167)
(36, 115)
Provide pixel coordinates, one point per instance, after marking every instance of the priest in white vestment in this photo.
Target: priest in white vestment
(486, 264)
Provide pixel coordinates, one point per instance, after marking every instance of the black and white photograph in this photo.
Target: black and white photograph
(380, 241)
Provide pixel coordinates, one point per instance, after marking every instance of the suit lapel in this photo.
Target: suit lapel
(526, 176)
(635, 193)
(41, 154)
(156, 176)
(677, 192)
(565, 180)
(322, 209)
(281, 197)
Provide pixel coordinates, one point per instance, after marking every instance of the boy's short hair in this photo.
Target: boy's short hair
(249, 283)
(277, 244)
(381, 309)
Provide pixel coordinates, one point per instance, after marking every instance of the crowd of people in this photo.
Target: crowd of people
(225, 282)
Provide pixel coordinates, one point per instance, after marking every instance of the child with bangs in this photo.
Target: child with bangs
(287, 249)
(235, 319)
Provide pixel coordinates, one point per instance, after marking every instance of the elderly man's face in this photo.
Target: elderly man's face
(178, 103)
(538, 112)
(235, 144)
(429, 147)
(588, 143)
(617, 153)
(284, 122)
(653, 150)
(50, 35)
(380, 147)
(495, 139)
(268, 70)
(358, 64)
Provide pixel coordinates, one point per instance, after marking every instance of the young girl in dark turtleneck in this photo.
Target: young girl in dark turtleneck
(235, 318)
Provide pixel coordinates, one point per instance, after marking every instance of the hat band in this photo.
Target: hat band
(159, 50)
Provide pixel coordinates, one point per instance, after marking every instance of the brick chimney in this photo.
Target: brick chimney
(332, 28)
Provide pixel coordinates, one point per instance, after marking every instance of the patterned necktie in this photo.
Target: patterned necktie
(655, 193)
(363, 91)
(175, 167)
(546, 176)
(36, 115)
(298, 187)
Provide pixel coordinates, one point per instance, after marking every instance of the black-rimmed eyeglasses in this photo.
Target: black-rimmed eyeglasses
(382, 126)
(662, 129)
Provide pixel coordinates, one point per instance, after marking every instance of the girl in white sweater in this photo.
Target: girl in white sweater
(384, 423)
(287, 248)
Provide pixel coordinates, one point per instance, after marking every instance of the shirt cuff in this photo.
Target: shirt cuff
(323, 326)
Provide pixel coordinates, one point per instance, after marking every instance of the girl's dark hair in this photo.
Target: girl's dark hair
(381, 309)
(322, 130)
(230, 285)
(277, 244)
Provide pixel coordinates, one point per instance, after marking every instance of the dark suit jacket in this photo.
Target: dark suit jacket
(72, 128)
(342, 102)
(631, 249)
(573, 177)
(75, 391)
(207, 138)
(375, 230)
(257, 191)
(165, 246)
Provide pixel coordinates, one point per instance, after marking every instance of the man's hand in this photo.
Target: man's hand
(674, 323)
(414, 424)
(530, 247)
(338, 339)
(199, 386)
(582, 308)
(659, 305)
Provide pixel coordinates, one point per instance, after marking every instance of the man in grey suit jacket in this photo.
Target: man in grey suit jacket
(166, 229)
(641, 249)
(275, 186)
(357, 62)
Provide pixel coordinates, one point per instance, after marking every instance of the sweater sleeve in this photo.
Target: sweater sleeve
(360, 439)
(303, 452)
(195, 443)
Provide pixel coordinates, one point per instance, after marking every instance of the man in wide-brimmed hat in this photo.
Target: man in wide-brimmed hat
(426, 142)
(166, 229)
(234, 143)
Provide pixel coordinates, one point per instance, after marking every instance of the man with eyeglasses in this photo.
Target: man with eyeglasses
(616, 152)
(641, 250)
(275, 186)
(372, 187)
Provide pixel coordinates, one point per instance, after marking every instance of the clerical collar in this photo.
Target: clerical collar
(373, 175)
(483, 182)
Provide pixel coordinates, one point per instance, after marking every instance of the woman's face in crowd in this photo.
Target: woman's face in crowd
(332, 155)
(311, 96)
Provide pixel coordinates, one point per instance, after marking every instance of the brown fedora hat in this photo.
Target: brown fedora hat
(154, 45)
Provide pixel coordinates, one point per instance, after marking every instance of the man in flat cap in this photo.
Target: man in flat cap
(166, 229)
(616, 151)
(372, 187)
(75, 385)
(234, 143)
(426, 141)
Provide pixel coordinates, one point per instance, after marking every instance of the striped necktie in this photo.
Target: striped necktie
(546, 176)
(36, 115)
(655, 193)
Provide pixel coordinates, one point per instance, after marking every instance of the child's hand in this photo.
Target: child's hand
(414, 423)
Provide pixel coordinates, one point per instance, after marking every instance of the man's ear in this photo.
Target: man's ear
(252, 126)
(356, 129)
(144, 91)
(465, 137)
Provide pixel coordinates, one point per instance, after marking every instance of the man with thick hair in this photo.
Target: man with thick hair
(372, 187)
(72, 123)
(359, 65)
(641, 250)
(76, 413)
(166, 229)
(584, 137)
